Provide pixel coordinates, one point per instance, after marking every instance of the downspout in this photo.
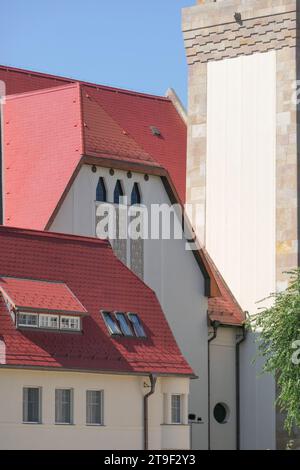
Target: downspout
(237, 384)
(152, 379)
(215, 325)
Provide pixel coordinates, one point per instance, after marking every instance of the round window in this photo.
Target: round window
(221, 413)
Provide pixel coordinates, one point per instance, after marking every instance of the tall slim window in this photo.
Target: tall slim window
(101, 190)
(31, 405)
(118, 192)
(63, 406)
(136, 195)
(94, 406)
(176, 409)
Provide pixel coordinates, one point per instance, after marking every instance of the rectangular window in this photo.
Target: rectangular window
(29, 320)
(111, 324)
(176, 409)
(123, 324)
(63, 406)
(70, 323)
(49, 321)
(31, 405)
(94, 407)
(137, 325)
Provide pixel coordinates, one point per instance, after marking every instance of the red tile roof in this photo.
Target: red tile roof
(110, 127)
(42, 148)
(116, 122)
(100, 281)
(20, 81)
(35, 295)
(224, 307)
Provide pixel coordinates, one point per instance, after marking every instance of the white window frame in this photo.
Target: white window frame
(39, 405)
(27, 314)
(180, 408)
(70, 318)
(101, 407)
(49, 317)
(71, 407)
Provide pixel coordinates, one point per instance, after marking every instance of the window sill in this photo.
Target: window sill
(95, 425)
(64, 424)
(31, 422)
(49, 330)
(175, 424)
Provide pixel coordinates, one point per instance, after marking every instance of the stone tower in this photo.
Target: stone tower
(242, 171)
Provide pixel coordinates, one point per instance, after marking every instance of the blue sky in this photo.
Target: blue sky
(134, 44)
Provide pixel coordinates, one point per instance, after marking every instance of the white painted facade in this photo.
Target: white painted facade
(172, 272)
(241, 159)
(241, 206)
(122, 407)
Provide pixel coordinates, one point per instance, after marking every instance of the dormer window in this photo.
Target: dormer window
(101, 191)
(70, 323)
(46, 305)
(49, 321)
(137, 325)
(30, 320)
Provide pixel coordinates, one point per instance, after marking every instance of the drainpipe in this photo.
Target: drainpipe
(152, 379)
(237, 384)
(215, 324)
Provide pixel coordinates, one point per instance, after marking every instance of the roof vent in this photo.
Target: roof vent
(155, 131)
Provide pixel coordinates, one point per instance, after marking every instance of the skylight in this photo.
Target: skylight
(111, 324)
(124, 325)
(137, 325)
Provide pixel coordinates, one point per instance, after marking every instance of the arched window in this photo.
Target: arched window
(101, 190)
(118, 192)
(135, 195)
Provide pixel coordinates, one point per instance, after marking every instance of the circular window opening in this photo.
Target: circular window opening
(221, 413)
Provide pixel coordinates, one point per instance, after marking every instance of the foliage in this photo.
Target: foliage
(279, 345)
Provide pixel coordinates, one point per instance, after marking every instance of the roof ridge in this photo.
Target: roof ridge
(55, 235)
(86, 83)
(40, 91)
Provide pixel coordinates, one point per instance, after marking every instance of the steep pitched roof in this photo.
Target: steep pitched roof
(76, 123)
(20, 81)
(100, 281)
(116, 113)
(223, 308)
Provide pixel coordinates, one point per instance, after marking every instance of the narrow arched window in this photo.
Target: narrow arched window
(118, 192)
(101, 190)
(135, 195)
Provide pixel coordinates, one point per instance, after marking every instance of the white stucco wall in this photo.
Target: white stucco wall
(223, 387)
(169, 270)
(123, 412)
(241, 153)
(240, 211)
